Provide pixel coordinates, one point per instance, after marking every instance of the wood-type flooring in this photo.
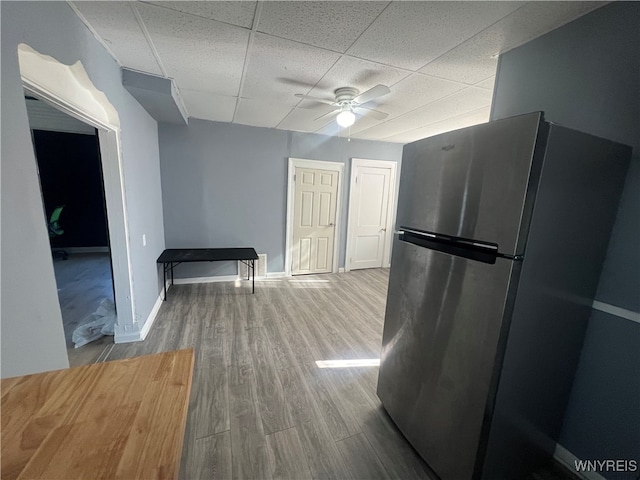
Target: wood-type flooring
(260, 406)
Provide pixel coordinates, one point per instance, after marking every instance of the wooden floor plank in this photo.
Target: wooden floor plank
(211, 412)
(211, 459)
(286, 456)
(398, 457)
(361, 460)
(273, 408)
(248, 443)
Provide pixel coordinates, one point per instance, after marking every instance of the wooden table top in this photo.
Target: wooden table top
(123, 419)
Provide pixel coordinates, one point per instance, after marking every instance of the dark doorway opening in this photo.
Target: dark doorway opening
(71, 182)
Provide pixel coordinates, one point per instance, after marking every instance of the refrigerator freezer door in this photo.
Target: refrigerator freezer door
(441, 333)
(473, 183)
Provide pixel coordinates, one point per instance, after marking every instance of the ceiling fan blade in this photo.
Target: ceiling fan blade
(326, 115)
(375, 92)
(369, 112)
(315, 99)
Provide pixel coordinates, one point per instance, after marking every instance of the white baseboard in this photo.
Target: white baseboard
(133, 333)
(126, 333)
(144, 331)
(127, 338)
(217, 278)
(276, 274)
(341, 270)
(223, 278)
(568, 459)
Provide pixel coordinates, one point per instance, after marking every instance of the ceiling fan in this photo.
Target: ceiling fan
(348, 101)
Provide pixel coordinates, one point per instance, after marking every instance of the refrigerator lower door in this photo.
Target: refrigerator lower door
(442, 332)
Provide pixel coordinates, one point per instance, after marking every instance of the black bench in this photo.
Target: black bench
(172, 257)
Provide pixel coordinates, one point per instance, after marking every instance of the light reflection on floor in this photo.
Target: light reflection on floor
(357, 362)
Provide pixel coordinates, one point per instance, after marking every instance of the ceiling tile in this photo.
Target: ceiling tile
(465, 101)
(306, 120)
(208, 106)
(333, 25)
(356, 73)
(416, 90)
(468, 63)
(203, 46)
(487, 83)
(117, 26)
(537, 18)
(472, 61)
(411, 34)
(260, 113)
(235, 13)
(461, 121)
(277, 69)
(200, 54)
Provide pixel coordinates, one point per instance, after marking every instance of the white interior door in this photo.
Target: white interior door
(314, 219)
(370, 212)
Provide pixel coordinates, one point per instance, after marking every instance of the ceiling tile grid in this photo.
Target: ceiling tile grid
(416, 90)
(275, 64)
(466, 120)
(411, 34)
(244, 61)
(200, 54)
(469, 63)
(260, 113)
(356, 73)
(239, 13)
(476, 58)
(333, 25)
(209, 106)
(487, 83)
(117, 26)
(537, 18)
(302, 119)
(461, 102)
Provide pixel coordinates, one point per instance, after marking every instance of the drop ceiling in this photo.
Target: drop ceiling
(243, 62)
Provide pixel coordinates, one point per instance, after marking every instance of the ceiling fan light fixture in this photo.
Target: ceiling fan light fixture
(346, 118)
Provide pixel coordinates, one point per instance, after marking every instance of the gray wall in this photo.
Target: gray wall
(226, 185)
(586, 76)
(32, 338)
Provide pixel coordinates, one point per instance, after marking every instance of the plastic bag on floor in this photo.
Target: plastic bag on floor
(102, 323)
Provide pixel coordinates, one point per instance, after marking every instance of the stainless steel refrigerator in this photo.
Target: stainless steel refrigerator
(502, 229)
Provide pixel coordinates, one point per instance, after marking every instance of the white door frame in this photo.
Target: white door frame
(391, 207)
(69, 89)
(291, 190)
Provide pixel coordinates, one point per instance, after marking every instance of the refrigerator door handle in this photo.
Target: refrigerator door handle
(417, 232)
(460, 247)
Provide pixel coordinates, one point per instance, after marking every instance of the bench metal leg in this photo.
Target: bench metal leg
(164, 281)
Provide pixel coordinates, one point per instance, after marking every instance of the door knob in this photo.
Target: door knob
(331, 224)
(383, 229)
